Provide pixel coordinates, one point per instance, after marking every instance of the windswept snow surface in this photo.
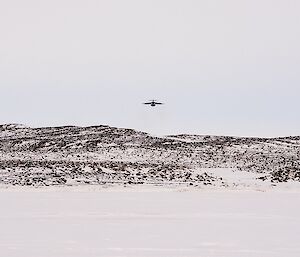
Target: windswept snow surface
(140, 222)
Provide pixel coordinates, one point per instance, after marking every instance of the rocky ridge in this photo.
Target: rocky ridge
(107, 155)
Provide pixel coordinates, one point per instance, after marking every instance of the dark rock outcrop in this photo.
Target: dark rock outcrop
(102, 154)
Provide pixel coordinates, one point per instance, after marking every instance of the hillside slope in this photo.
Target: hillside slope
(107, 155)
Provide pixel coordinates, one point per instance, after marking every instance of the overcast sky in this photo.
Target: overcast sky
(226, 67)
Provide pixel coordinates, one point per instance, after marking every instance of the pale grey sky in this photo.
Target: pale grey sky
(227, 67)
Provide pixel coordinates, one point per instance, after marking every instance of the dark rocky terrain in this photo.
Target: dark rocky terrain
(107, 155)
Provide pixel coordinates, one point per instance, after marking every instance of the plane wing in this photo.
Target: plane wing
(153, 103)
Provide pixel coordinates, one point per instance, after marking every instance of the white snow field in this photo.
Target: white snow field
(154, 222)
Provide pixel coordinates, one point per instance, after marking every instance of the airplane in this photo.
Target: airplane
(153, 103)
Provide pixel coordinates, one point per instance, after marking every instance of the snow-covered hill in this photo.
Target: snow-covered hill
(107, 155)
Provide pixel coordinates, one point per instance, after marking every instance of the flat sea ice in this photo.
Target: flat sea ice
(140, 223)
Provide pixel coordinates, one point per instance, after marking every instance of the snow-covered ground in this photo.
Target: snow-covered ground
(104, 191)
(141, 221)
